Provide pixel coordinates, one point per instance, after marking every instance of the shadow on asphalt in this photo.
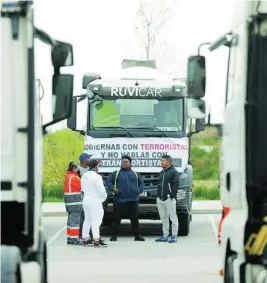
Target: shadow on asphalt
(146, 229)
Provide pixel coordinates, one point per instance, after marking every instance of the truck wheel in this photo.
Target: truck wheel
(184, 221)
(44, 271)
(229, 269)
(41, 258)
(107, 222)
(10, 264)
(18, 274)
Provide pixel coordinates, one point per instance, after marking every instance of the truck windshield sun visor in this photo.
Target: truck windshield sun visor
(127, 131)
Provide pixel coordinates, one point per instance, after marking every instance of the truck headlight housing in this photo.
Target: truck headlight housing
(181, 194)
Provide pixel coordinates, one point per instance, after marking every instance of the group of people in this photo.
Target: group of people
(84, 194)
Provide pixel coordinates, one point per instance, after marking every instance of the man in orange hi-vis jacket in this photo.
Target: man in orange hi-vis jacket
(73, 202)
(225, 212)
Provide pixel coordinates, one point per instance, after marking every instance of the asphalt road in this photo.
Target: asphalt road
(193, 259)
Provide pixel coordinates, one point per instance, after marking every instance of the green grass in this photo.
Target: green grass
(55, 194)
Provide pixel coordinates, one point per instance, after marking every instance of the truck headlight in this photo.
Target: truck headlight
(181, 194)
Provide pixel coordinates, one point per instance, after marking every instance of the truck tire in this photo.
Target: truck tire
(107, 222)
(44, 267)
(10, 265)
(184, 224)
(31, 272)
(229, 269)
(41, 256)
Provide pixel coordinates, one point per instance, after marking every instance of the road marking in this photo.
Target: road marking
(213, 225)
(56, 235)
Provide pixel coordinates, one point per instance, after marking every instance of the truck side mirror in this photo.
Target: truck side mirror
(62, 98)
(88, 78)
(71, 121)
(196, 108)
(200, 125)
(196, 76)
(62, 54)
(219, 130)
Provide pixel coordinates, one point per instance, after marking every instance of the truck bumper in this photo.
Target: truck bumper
(146, 211)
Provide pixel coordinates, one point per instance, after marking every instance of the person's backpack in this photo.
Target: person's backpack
(116, 176)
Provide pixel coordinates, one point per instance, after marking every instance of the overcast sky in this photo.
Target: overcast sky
(102, 34)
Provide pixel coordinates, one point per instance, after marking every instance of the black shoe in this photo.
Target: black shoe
(113, 238)
(100, 244)
(139, 238)
(87, 243)
(76, 242)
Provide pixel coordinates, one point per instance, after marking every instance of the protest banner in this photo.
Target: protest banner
(146, 153)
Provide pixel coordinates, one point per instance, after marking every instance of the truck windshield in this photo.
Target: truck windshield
(167, 115)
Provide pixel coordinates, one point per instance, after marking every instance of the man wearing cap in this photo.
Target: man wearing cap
(84, 159)
(83, 167)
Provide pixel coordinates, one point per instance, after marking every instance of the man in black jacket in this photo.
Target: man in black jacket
(166, 201)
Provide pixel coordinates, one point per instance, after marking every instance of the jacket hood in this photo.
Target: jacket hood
(170, 168)
(72, 173)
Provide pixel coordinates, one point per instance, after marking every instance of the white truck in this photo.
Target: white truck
(23, 244)
(244, 171)
(144, 115)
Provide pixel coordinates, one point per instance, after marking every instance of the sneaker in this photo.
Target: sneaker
(162, 239)
(139, 238)
(113, 238)
(88, 243)
(173, 239)
(100, 244)
(74, 242)
(80, 240)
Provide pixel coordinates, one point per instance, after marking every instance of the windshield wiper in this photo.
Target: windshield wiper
(150, 128)
(127, 131)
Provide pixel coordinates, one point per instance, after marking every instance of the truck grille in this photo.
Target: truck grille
(150, 179)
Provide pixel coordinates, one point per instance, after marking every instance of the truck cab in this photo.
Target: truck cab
(243, 168)
(23, 240)
(144, 115)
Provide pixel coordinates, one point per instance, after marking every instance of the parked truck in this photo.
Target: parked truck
(243, 170)
(23, 242)
(144, 115)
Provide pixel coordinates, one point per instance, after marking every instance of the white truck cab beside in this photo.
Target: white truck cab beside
(23, 243)
(243, 171)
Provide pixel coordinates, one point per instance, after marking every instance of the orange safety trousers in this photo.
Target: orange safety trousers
(73, 203)
(225, 212)
(73, 226)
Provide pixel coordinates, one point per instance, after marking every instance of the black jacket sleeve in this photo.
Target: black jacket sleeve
(174, 184)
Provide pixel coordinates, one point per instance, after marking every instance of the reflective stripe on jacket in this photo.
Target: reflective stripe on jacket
(72, 192)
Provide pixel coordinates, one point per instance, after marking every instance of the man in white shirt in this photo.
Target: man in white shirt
(83, 167)
(94, 196)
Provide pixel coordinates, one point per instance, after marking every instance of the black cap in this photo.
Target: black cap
(93, 164)
(72, 165)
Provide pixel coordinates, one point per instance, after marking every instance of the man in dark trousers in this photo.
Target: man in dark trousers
(126, 185)
(166, 201)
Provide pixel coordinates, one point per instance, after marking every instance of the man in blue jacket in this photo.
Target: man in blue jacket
(126, 186)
